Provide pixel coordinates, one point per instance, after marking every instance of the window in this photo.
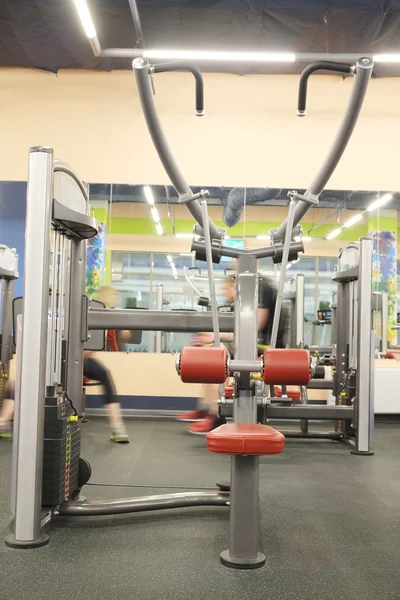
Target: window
(130, 274)
(138, 275)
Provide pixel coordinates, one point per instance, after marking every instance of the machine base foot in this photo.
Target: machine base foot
(360, 453)
(242, 563)
(11, 542)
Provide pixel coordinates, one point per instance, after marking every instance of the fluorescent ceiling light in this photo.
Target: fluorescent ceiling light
(221, 55)
(169, 258)
(387, 58)
(148, 194)
(334, 233)
(155, 215)
(263, 237)
(159, 229)
(175, 276)
(184, 235)
(379, 202)
(353, 220)
(85, 17)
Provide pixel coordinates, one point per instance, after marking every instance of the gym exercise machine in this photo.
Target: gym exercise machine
(246, 440)
(353, 355)
(380, 322)
(8, 274)
(56, 325)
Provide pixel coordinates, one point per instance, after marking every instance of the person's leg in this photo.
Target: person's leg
(206, 405)
(212, 420)
(211, 395)
(93, 369)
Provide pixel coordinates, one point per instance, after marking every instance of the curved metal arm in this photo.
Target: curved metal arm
(141, 69)
(322, 65)
(363, 73)
(61, 167)
(190, 282)
(185, 66)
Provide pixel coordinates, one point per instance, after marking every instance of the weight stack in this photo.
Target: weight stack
(62, 445)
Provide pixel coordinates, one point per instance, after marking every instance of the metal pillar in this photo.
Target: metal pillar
(77, 305)
(159, 306)
(28, 490)
(244, 518)
(341, 323)
(281, 285)
(364, 407)
(17, 396)
(299, 311)
(384, 322)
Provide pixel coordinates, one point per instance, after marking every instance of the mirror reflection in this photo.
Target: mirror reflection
(144, 250)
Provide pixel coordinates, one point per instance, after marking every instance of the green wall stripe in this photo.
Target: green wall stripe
(135, 226)
(376, 223)
(101, 214)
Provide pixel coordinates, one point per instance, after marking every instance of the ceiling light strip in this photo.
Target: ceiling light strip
(216, 55)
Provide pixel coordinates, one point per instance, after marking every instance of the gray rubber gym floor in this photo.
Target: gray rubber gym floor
(330, 525)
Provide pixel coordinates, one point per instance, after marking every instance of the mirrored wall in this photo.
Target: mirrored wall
(146, 237)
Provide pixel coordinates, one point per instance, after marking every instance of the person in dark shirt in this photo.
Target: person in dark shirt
(206, 418)
(267, 293)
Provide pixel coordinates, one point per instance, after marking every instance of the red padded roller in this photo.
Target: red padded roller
(246, 439)
(289, 366)
(393, 353)
(203, 365)
(293, 394)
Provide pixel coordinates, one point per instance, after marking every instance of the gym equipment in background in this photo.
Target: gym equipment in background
(8, 274)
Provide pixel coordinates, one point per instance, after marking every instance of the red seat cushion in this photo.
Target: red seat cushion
(229, 391)
(393, 353)
(245, 438)
(291, 393)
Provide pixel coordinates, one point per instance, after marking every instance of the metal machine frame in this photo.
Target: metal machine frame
(296, 299)
(8, 274)
(47, 477)
(353, 409)
(243, 548)
(49, 378)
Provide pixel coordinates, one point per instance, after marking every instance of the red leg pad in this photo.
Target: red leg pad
(203, 365)
(289, 366)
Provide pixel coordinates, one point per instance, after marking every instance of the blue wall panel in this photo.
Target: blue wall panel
(12, 223)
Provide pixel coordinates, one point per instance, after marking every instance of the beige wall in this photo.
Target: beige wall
(153, 243)
(250, 135)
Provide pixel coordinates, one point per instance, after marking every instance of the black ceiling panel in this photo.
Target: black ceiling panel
(47, 34)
